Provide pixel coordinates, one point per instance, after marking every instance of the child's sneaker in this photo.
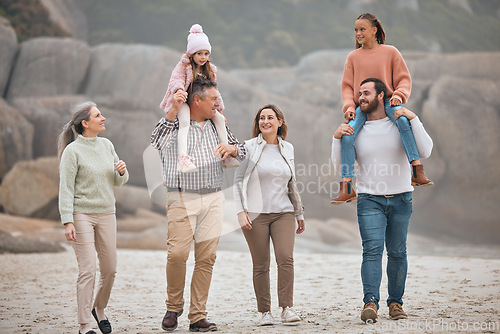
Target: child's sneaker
(418, 177)
(185, 165)
(369, 313)
(230, 162)
(346, 193)
(396, 311)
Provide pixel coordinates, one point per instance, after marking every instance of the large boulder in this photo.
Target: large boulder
(8, 50)
(30, 189)
(48, 115)
(49, 67)
(16, 137)
(130, 199)
(463, 116)
(68, 16)
(130, 77)
(130, 133)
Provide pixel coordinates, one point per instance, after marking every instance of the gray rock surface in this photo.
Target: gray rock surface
(68, 16)
(48, 115)
(30, 189)
(49, 67)
(130, 77)
(8, 50)
(16, 137)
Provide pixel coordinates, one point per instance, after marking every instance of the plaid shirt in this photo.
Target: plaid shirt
(201, 143)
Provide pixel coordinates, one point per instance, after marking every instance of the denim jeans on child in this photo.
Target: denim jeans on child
(404, 127)
(384, 220)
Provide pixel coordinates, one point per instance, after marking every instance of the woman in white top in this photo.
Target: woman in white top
(268, 205)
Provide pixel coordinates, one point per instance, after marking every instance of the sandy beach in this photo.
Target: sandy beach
(443, 294)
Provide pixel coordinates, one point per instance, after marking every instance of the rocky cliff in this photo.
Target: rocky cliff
(456, 96)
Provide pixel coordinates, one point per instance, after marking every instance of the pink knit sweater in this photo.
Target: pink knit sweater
(383, 62)
(181, 79)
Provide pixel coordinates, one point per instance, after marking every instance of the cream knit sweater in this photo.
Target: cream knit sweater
(87, 177)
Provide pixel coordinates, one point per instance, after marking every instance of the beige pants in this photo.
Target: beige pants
(95, 232)
(280, 227)
(198, 218)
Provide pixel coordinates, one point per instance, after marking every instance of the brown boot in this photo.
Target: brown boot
(169, 322)
(418, 177)
(396, 311)
(369, 313)
(346, 193)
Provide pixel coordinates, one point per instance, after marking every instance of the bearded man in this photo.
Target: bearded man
(383, 184)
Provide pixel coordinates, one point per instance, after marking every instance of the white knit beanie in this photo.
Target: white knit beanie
(197, 40)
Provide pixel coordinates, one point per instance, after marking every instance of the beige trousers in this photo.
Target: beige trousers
(280, 227)
(95, 232)
(198, 218)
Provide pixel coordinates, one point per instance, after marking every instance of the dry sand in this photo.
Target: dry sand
(443, 294)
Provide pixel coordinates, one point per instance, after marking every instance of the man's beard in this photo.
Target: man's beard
(371, 107)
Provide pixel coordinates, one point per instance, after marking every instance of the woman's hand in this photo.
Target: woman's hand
(244, 221)
(301, 226)
(343, 129)
(121, 167)
(70, 232)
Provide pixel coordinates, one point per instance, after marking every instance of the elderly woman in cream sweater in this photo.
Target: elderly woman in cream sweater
(89, 169)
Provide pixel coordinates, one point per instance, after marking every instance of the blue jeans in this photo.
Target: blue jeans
(382, 220)
(404, 127)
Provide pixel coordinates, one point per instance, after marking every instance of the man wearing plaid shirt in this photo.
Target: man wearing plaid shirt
(195, 200)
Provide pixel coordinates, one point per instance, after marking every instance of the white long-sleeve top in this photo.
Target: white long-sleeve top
(383, 168)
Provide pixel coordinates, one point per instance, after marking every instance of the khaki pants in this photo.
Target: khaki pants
(95, 232)
(198, 218)
(280, 227)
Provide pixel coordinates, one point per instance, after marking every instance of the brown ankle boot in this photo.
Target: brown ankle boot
(418, 177)
(346, 193)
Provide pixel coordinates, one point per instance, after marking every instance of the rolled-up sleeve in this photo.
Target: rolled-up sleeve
(232, 140)
(163, 133)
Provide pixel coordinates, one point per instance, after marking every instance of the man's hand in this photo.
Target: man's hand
(343, 130)
(179, 98)
(404, 112)
(225, 150)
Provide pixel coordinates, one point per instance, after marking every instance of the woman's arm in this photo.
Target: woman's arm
(239, 174)
(68, 169)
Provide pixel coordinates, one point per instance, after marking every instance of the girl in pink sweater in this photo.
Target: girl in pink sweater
(193, 63)
(373, 59)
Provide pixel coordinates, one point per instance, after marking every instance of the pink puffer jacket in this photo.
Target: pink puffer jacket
(181, 79)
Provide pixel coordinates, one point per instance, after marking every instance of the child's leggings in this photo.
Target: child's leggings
(184, 120)
(404, 127)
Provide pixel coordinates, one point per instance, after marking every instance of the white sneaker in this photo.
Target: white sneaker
(266, 319)
(288, 316)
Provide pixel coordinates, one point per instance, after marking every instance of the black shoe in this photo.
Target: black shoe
(89, 332)
(104, 325)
